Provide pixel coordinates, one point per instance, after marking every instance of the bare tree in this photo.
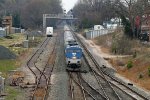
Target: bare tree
(33, 12)
(130, 9)
(95, 11)
(29, 11)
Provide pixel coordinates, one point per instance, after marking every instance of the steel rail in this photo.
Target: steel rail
(95, 90)
(71, 89)
(106, 74)
(82, 85)
(112, 80)
(82, 88)
(51, 69)
(45, 79)
(114, 93)
(41, 72)
(28, 62)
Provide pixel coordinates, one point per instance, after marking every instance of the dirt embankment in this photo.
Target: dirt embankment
(135, 67)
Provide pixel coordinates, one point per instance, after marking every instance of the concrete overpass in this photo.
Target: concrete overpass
(57, 16)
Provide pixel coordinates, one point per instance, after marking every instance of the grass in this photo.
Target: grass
(35, 42)
(17, 38)
(129, 64)
(7, 65)
(139, 71)
(104, 40)
(1, 39)
(12, 93)
(17, 50)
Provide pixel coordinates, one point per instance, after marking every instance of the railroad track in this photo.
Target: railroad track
(76, 88)
(109, 81)
(31, 62)
(88, 91)
(42, 76)
(101, 75)
(124, 88)
(106, 88)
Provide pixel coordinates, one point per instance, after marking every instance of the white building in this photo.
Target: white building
(113, 23)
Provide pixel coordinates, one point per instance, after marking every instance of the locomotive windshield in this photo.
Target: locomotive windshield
(73, 51)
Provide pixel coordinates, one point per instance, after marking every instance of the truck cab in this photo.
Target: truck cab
(49, 31)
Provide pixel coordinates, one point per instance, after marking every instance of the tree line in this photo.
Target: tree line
(131, 12)
(28, 13)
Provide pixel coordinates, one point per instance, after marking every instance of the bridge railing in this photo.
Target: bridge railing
(60, 16)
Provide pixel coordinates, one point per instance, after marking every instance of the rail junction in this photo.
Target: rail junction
(43, 73)
(92, 82)
(110, 88)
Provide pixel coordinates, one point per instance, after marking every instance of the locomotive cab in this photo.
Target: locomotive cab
(73, 56)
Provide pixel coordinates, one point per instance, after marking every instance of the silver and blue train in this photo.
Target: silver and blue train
(73, 52)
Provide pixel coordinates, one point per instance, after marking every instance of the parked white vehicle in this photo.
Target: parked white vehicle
(49, 31)
(98, 27)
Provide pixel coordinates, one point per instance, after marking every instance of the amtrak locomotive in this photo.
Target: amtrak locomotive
(73, 52)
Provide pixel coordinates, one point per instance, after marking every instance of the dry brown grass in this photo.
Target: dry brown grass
(40, 93)
(117, 43)
(17, 38)
(105, 50)
(140, 67)
(104, 41)
(82, 33)
(52, 58)
(141, 62)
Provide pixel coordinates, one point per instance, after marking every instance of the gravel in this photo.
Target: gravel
(5, 53)
(109, 69)
(43, 58)
(59, 79)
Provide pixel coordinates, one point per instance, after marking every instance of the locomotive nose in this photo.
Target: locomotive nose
(73, 57)
(78, 62)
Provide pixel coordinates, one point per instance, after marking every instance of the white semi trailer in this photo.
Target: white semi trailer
(49, 31)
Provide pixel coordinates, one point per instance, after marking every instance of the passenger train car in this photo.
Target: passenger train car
(73, 52)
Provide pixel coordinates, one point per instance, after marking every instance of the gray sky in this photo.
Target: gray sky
(68, 4)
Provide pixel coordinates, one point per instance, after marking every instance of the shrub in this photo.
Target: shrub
(120, 63)
(149, 71)
(134, 54)
(8, 37)
(86, 23)
(129, 64)
(114, 49)
(121, 45)
(127, 26)
(140, 76)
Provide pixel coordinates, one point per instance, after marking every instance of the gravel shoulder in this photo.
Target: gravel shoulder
(59, 79)
(99, 56)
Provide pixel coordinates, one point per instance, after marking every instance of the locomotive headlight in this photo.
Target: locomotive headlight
(73, 57)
